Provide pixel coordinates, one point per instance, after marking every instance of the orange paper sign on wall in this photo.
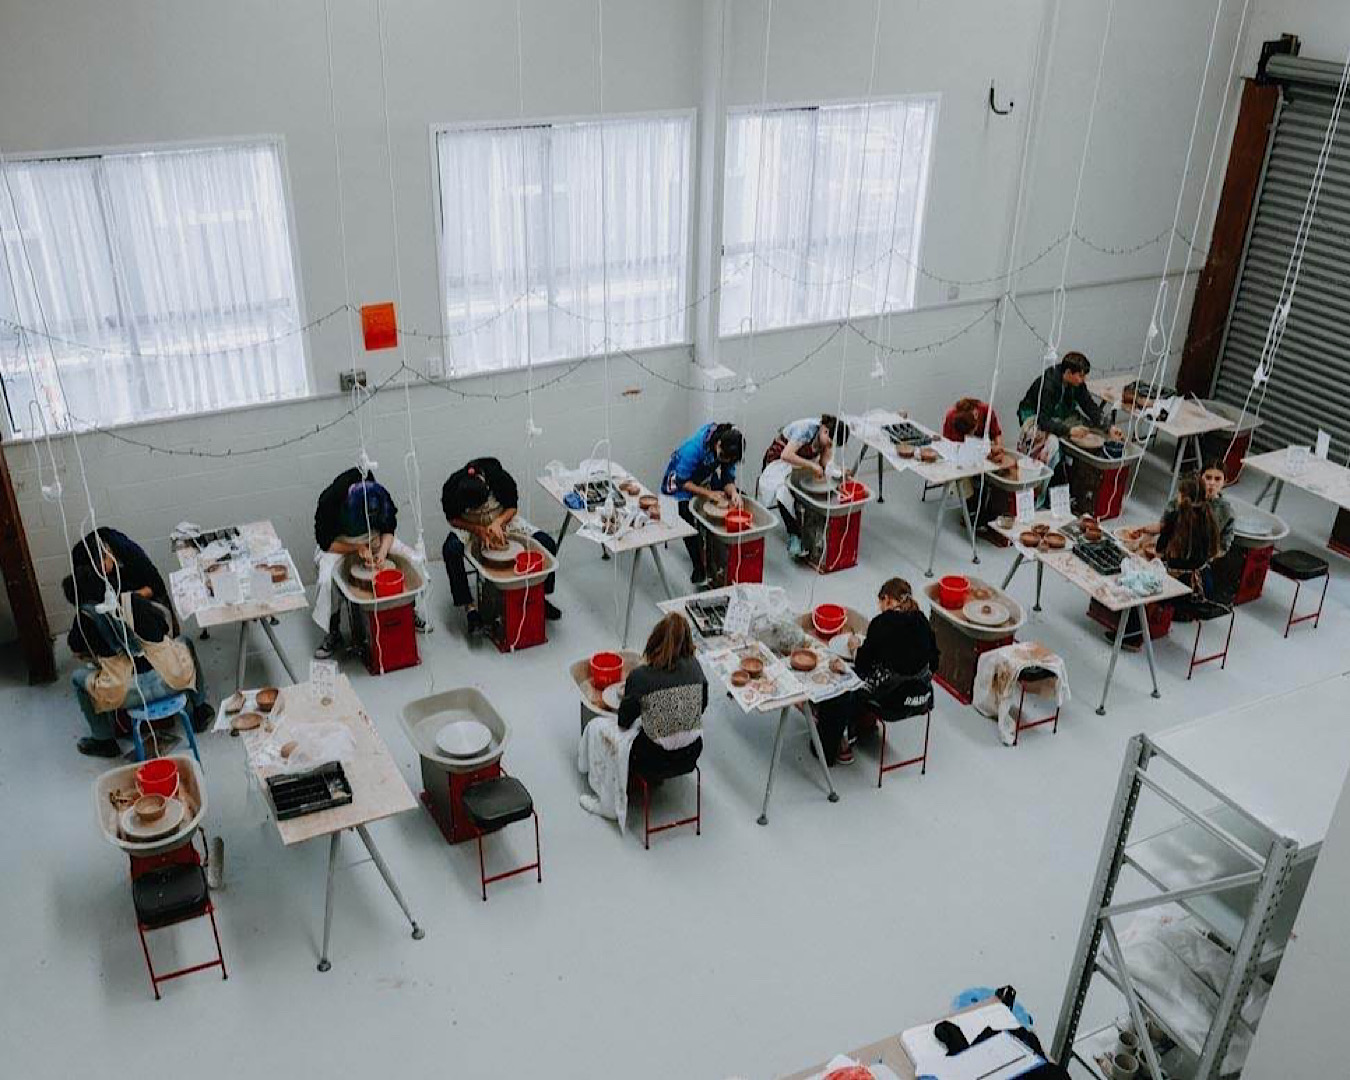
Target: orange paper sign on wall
(379, 326)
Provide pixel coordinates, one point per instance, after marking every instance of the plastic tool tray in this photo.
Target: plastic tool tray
(206, 539)
(708, 616)
(594, 493)
(905, 432)
(297, 794)
(1103, 556)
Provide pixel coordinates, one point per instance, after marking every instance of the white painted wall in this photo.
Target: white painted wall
(145, 71)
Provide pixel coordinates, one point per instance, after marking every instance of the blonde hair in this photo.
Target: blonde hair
(898, 589)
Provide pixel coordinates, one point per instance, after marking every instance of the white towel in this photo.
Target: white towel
(602, 756)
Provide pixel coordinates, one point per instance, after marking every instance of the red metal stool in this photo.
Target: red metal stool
(1034, 675)
(495, 804)
(167, 890)
(921, 759)
(1298, 567)
(1204, 611)
(647, 780)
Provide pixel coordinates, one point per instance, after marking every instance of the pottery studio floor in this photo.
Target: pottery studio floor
(747, 951)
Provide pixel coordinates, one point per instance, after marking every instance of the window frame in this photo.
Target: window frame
(292, 238)
(686, 339)
(934, 96)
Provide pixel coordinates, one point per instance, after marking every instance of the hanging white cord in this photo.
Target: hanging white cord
(879, 365)
(1289, 286)
(749, 386)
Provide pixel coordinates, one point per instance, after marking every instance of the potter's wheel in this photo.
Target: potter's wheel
(136, 829)
(463, 739)
(986, 613)
(814, 485)
(361, 572)
(502, 556)
(715, 511)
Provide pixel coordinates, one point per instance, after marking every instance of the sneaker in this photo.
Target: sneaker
(698, 577)
(845, 755)
(421, 625)
(330, 644)
(474, 621)
(91, 747)
(550, 612)
(202, 716)
(795, 548)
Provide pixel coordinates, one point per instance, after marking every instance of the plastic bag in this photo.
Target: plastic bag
(295, 748)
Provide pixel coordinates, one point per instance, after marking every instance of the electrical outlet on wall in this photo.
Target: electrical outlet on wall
(953, 292)
(348, 379)
(435, 365)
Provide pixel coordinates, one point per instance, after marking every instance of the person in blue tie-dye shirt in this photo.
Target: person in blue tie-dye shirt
(704, 465)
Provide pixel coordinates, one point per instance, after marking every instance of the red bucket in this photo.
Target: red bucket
(952, 591)
(852, 491)
(158, 776)
(739, 520)
(529, 562)
(606, 669)
(388, 582)
(829, 619)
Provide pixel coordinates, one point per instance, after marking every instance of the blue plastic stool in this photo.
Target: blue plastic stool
(162, 710)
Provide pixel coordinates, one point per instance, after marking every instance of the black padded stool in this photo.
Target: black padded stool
(495, 804)
(169, 895)
(1298, 567)
(645, 779)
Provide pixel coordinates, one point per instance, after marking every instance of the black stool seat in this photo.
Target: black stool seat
(1202, 610)
(666, 770)
(1298, 565)
(493, 804)
(169, 895)
(1035, 673)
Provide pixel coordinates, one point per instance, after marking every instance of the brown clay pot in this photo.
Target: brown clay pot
(928, 455)
(753, 666)
(265, 698)
(905, 450)
(1053, 542)
(740, 677)
(803, 660)
(1029, 538)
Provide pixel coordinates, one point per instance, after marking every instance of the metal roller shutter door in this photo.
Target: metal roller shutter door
(1310, 385)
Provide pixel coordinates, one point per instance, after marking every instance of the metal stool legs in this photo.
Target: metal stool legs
(1221, 656)
(921, 759)
(1314, 617)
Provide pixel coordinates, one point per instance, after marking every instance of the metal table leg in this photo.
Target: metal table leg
(1275, 501)
(1148, 650)
(281, 653)
(1018, 560)
(937, 525)
(820, 752)
(632, 588)
(1115, 655)
(562, 533)
(970, 525)
(1176, 465)
(1265, 490)
(881, 479)
(333, 842)
(417, 932)
(242, 660)
(773, 765)
(661, 572)
(1040, 580)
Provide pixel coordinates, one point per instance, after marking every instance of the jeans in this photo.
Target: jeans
(149, 684)
(790, 523)
(452, 551)
(693, 544)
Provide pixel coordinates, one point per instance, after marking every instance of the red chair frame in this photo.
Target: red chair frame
(1022, 725)
(186, 855)
(696, 821)
(1314, 617)
(537, 866)
(921, 759)
(1222, 656)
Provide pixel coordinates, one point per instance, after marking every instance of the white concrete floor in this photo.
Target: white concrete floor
(748, 951)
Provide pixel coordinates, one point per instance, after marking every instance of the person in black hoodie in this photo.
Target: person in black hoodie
(480, 502)
(115, 556)
(895, 662)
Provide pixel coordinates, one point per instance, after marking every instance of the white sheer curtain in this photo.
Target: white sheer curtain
(523, 256)
(165, 277)
(791, 211)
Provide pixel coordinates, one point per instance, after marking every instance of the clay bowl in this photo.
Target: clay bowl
(740, 677)
(715, 511)
(234, 702)
(246, 722)
(803, 660)
(981, 593)
(150, 807)
(905, 450)
(1078, 431)
(630, 487)
(1040, 530)
(651, 504)
(1053, 542)
(288, 748)
(928, 455)
(1029, 539)
(753, 666)
(1005, 521)
(265, 698)
(838, 666)
(278, 574)
(1092, 533)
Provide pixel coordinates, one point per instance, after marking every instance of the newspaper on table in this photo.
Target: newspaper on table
(777, 683)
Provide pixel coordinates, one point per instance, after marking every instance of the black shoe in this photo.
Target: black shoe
(202, 716)
(698, 577)
(91, 747)
(550, 612)
(474, 621)
(331, 643)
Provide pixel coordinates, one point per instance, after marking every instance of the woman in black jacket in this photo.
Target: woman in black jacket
(895, 662)
(668, 693)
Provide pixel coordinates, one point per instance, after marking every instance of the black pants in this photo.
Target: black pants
(790, 522)
(693, 544)
(452, 551)
(652, 760)
(837, 716)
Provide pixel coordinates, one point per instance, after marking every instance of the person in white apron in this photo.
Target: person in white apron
(355, 515)
(802, 444)
(481, 502)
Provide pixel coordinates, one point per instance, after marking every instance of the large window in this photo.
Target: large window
(144, 285)
(528, 249)
(794, 229)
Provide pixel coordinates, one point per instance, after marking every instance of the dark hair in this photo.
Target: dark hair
(728, 442)
(367, 507)
(1075, 363)
(473, 489)
(1214, 465)
(1195, 532)
(967, 417)
(837, 429)
(85, 586)
(669, 642)
(898, 589)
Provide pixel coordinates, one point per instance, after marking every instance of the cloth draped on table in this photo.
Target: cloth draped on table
(602, 757)
(327, 563)
(996, 687)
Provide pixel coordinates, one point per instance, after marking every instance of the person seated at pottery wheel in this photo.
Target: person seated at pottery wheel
(124, 562)
(704, 465)
(1053, 405)
(803, 444)
(971, 418)
(129, 656)
(1212, 481)
(355, 515)
(895, 661)
(480, 503)
(668, 692)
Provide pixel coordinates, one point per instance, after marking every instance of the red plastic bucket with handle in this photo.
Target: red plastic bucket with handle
(606, 669)
(388, 582)
(829, 619)
(158, 776)
(952, 591)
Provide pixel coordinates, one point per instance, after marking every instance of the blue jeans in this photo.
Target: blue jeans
(452, 551)
(103, 725)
